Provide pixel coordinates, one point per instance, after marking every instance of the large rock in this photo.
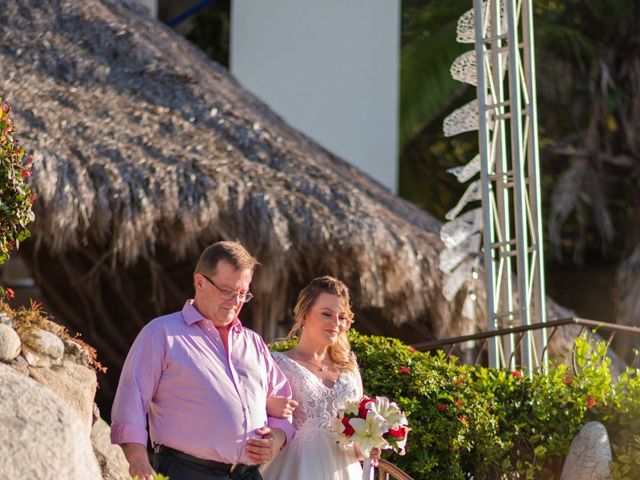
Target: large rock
(49, 350)
(70, 426)
(73, 383)
(589, 455)
(9, 343)
(40, 435)
(110, 457)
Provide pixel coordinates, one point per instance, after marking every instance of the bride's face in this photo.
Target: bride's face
(326, 320)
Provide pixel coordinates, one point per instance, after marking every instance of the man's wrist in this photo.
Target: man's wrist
(280, 437)
(134, 451)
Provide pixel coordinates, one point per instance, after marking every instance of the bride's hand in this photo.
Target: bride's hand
(374, 454)
(280, 407)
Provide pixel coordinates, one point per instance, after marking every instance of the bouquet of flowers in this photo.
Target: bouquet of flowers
(373, 423)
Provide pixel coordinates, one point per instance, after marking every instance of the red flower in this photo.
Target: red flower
(10, 293)
(29, 160)
(458, 403)
(516, 374)
(441, 407)
(348, 429)
(404, 370)
(567, 380)
(25, 172)
(399, 432)
(33, 198)
(590, 402)
(362, 408)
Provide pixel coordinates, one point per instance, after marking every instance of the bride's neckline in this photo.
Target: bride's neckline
(308, 370)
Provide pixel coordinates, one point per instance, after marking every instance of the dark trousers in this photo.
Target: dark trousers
(180, 469)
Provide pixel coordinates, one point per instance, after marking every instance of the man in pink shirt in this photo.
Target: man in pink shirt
(202, 379)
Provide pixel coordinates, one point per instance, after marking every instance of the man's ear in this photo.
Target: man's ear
(197, 281)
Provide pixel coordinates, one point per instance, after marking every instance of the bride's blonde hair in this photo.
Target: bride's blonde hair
(340, 352)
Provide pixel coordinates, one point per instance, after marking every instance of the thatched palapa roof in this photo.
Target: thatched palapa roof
(146, 151)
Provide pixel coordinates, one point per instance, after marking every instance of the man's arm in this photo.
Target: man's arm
(138, 459)
(138, 381)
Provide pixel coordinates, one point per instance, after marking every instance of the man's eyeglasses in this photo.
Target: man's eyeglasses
(229, 294)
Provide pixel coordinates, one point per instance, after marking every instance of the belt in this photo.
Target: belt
(235, 468)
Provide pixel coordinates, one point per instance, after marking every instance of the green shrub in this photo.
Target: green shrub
(16, 198)
(474, 422)
(624, 427)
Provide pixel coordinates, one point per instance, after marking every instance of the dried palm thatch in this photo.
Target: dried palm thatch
(145, 152)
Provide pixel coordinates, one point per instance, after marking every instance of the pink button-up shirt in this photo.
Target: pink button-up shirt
(199, 399)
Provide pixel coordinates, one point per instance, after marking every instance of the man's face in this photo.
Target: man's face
(220, 297)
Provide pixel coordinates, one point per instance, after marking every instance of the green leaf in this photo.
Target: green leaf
(540, 450)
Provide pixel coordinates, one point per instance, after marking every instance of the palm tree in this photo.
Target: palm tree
(588, 59)
(590, 93)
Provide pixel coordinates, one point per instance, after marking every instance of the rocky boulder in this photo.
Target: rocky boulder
(50, 426)
(589, 455)
(42, 437)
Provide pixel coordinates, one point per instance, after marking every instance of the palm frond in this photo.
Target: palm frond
(426, 86)
(565, 42)
(565, 200)
(580, 191)
(596, 189)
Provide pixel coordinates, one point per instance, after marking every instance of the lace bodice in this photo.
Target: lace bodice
(317, 403)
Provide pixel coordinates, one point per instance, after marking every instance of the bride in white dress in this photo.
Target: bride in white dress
(323, 374)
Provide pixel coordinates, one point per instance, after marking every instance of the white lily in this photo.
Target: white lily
(368, 433)
(389, 411)
(351, 408)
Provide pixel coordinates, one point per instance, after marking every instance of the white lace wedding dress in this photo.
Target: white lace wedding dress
(313, 454)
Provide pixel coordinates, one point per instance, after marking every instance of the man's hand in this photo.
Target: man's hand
(138, 459)
(265, 449)
(281, 407)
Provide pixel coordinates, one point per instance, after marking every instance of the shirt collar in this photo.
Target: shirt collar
(191, 315)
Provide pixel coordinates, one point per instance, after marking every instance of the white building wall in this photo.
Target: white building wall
(330, 68)
(152, 5)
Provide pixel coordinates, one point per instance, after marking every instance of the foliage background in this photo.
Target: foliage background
(475, 422)
(16, 198)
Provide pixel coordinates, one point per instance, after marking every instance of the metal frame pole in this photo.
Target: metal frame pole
(510, 170)
(483, 136)
(539, 301)
(519, 164)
